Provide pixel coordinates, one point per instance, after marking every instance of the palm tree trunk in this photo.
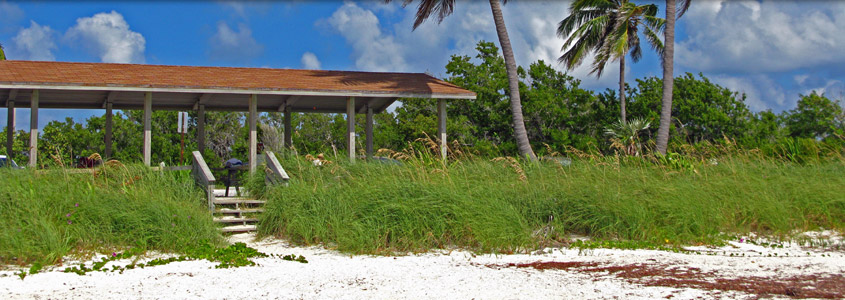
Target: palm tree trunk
(519, 131)
(668, 78)
(622, 90)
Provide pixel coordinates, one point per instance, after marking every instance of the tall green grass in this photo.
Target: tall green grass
(508, 205)
(48, 214)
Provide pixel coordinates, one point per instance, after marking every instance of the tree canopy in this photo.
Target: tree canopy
(560, 115)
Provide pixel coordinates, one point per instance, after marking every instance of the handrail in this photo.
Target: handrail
(276, 173)
(172, 168)
(203, 177)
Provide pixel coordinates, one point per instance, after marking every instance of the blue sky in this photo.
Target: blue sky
(770, 50)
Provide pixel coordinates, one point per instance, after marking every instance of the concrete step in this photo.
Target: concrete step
(236, 200)
(238, 228)
(234, 220)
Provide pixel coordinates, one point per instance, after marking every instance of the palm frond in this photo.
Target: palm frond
(635, 49)
(655, 41)
(608, 29)
(682, 7)
(626, 135)
(441, 8)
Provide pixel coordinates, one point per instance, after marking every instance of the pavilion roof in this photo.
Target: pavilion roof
(88, 85)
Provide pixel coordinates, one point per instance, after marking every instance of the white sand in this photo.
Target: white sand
(440, 275)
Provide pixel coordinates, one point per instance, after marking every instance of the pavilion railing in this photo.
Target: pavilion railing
(203, 177)
(274, 171)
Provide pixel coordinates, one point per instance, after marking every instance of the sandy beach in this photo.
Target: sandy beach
(739, 270)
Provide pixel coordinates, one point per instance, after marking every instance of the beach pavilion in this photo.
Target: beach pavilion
(67, 85)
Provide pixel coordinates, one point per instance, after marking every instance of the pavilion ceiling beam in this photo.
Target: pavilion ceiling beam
(109, 98)
(13, 94)
(364, 107)
(290, 100)
(202, 100)
(388, 103)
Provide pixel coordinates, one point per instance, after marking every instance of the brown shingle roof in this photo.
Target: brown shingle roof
(225, 79)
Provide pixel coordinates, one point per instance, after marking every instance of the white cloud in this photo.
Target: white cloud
(239, 8)
(10, 14)
(832, 88)
(372, 49)
(108, 36)
(310, 61)
(243, 9)
(761, 91)
(531, 26)
(801, 78)
(231, 45)
(34, 43)
(764, 36)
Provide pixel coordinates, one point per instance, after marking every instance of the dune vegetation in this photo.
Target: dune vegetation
(506, 204)
(49, 214)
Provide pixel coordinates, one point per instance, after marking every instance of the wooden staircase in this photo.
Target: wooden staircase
(236, 213)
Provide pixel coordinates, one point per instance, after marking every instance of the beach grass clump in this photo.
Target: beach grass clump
(50, 213)
(506, 204)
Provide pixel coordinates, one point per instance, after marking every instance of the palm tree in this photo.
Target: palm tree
(609, 29)
(626, 135)
(668, 72)
(2, 53)
(444, 8)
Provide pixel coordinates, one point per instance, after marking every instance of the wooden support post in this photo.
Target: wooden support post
(148, 112)
(253, 132)
(10, 128)
(33, 130)
(350, 127)
(288, 128)
(369, 130)
(441, 126)
(201, 128)
(108, 137)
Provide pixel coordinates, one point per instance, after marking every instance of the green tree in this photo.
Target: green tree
(2, 53)
(609, 29)
(223, 130)
(668, 71)
(444, 8)
(766, 128)
(486, 115)
(558, 112)
(815, 116)
(704, 111)
(19, 144)
(319, 133)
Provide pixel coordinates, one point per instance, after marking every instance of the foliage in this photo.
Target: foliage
(232, 256)
(816, 116)
(608, 29)
(559, 115)
(702, 110)
(52, 213)
(626, 136)
(508, 205)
